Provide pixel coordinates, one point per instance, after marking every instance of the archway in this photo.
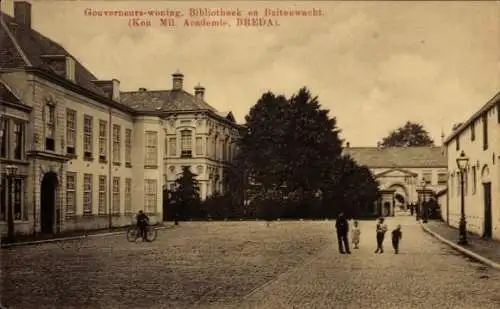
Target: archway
(401, 197)
(48, 202)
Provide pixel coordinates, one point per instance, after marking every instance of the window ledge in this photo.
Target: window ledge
(103, 161)
(128, 164)
(90, 159)
(117, 164)
(153, 167)
(71, 155)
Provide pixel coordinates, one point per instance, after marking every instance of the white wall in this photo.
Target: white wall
(482, 160)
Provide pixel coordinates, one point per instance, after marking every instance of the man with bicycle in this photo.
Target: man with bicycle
(142, 223)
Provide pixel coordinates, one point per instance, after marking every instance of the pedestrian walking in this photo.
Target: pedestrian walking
(342, 226)
(397, 234)
(381, 230)
(356, 234)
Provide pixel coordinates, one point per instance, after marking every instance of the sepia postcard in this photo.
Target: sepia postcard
(249, 154)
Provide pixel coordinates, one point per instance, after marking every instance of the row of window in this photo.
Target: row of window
(88, 138)
(12, 138)
(150, 195)
(217, 148)
(484, 121)
(455, 182)
(15, 198)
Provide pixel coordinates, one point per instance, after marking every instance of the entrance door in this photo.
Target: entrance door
(48, 202)
(488, 228)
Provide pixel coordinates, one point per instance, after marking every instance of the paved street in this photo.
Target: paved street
(247, 265)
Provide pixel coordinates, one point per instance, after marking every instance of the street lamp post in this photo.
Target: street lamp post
(462, 163)
(423, 211)
(10, 172)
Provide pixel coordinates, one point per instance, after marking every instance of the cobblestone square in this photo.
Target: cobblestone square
(246, 265)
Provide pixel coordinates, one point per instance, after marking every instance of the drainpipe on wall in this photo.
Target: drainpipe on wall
(34, 144)
(448, 206)
(110, 169)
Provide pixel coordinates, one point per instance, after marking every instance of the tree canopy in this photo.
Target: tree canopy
(289, 142)
(411, 134)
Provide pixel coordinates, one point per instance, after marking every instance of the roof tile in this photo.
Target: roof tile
(374, 157)
(164, 100)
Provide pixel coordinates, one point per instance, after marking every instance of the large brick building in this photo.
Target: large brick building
(88, 155)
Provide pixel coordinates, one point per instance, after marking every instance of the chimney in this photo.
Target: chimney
(142, 89)
(199, 92)
(22, 13)
(177, 79)
(116, 90)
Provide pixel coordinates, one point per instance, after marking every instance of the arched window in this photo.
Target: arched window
(186, 144)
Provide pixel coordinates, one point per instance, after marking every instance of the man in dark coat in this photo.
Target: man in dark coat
(342, 226)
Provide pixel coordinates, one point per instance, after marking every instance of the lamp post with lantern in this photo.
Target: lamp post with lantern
(462, 163)
(423, 209)
(10, 172)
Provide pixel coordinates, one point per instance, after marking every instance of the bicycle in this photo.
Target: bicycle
(133, 233)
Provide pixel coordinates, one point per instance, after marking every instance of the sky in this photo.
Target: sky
(374, 65)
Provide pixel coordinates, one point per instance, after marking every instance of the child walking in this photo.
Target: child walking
(397, 234)
(381, 230)
(356, 233)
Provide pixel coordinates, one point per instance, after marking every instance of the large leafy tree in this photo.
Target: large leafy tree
(289, 143)
(411, 134)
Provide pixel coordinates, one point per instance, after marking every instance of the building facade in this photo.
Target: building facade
(479, 139)
(401, 172)
(87, 155)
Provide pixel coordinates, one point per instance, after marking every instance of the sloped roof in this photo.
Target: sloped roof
(402, 157)
(163, 100)
(486, 107)
(33, 46)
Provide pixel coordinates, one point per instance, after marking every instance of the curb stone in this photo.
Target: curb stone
(44, 241)
(463, 250)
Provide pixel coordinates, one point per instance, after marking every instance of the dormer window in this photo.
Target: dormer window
(70, 68)
(50, 126)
